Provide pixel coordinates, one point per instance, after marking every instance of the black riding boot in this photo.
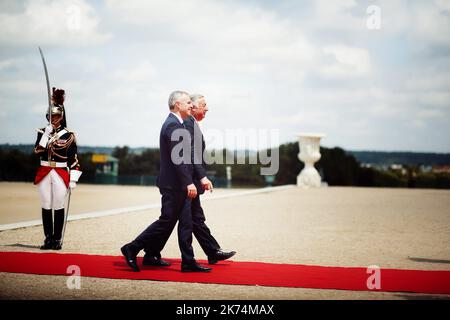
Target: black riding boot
(59, 225)
(47, 222)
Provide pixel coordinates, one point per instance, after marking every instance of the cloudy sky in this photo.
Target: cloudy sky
(371, 75)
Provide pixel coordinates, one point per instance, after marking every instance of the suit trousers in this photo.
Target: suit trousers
(175, 206)
(201, 230)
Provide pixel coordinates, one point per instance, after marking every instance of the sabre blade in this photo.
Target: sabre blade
(48, 87)
(66, 214)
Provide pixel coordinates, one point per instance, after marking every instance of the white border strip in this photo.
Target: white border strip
(97, 214)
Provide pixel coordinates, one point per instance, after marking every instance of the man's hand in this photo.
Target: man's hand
(191, 191)
(72, 184)
(206, 184)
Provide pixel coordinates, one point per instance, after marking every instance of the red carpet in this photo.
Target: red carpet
(228, 272)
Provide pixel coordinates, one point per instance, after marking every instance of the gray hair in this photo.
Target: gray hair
(195, 98)
(176, 96)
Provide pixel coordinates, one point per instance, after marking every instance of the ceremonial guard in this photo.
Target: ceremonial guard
(59, 170)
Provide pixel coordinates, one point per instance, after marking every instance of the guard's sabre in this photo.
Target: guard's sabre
(66, 215)
(48, 88)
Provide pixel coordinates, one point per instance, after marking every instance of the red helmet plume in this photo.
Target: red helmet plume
(58, 96)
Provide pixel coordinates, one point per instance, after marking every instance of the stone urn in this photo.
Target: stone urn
(309, 144)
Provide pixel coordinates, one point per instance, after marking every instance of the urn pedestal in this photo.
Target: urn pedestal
(309, 144)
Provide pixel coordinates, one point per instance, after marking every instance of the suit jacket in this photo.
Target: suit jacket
(197, 152)
(171, 175)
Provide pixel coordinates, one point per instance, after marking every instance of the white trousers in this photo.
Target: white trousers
(53, 191)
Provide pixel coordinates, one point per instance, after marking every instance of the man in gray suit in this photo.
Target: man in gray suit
(201, 231)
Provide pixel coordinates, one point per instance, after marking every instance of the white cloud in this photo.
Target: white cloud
(435, 99)
(21, 87)
(12, 62)
(39, 108)
(424, 23)
(235, 38)
(348, 62)
(431, 22)
(337, 15)
(51, 22)
(431, 114)
(310, 119)
(432, 80)
(259, 66)
(417, 124)
(142, 73)
(444, 5)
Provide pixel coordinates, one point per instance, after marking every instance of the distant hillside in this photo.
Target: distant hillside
(372, 157)
(406, 158)
(27, 148)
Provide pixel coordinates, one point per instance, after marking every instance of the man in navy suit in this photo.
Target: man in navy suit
(201, 231)
(175, 182)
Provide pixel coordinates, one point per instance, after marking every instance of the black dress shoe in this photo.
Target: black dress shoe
(154, 261)
(48, 244)
(130, 257)
(194, 267)
(220, 255)
(57, 245)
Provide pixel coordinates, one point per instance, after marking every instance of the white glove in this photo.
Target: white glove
(48, 130)
(46, 136)
(75, 175)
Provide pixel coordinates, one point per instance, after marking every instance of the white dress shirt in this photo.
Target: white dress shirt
(178, 117)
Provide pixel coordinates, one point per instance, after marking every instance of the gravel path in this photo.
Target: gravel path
(390, 228)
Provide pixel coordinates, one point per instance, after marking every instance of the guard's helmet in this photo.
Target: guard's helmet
(58, 105)
(57, 110)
